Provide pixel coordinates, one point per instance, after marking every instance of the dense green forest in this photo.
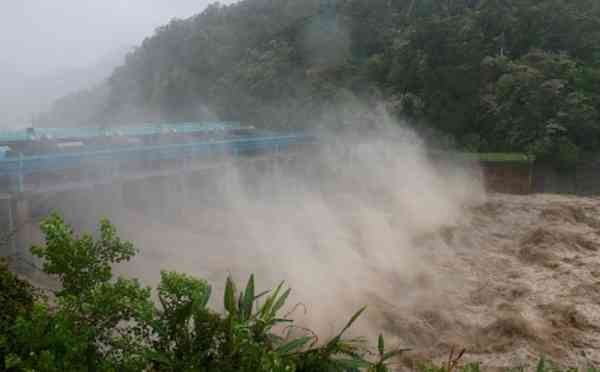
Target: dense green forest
(481, 75)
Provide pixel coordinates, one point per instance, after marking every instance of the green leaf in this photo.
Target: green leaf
(261, 294)
(248, 298)
(240, 305)
(352, 320)
(282, 320)
(158, 357)
(205, 297)
(472, 367)
(293, 345)
(183, 313)
(275, 339)
(541, 366)
(334, 341)
(230, 297)
(12, 361)
(280, 302)
(352, 363)
(265, 310)
(381, 344)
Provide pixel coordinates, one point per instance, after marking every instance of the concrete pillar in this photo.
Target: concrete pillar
(183, 198)
(22, 218)
(20, 182)
(23, 236)
(11, 229)
(8, 245)
(17, 232)
(16, 184)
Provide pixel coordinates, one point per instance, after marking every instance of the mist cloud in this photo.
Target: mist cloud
(39, 36)
(53, 48)
(352, 223)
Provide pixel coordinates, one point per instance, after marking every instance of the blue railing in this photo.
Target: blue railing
(129, 130)
(20, 166)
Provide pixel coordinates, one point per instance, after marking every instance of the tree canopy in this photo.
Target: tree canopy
(488, 75)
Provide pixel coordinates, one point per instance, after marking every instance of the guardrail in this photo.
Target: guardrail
(22, 165)
(24, 135)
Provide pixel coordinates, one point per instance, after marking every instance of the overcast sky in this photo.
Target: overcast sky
(42, 36)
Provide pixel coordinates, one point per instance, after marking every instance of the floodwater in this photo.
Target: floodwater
(440, 264)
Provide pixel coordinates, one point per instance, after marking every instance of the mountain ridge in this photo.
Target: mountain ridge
(489, 75)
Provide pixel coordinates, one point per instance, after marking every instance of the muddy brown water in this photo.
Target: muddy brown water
(531, 270)
(515, 278)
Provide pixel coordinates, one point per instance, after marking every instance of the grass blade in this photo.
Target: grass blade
(352, 320)
(294, 345)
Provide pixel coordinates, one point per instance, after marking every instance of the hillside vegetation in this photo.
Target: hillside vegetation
(484, 75)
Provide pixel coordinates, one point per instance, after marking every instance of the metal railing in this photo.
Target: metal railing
(19, 167)
(23, 135)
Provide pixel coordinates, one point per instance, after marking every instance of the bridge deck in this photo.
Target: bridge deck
(133, 161)
(138, 175)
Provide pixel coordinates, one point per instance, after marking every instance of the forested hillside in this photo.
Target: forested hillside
(483, 75)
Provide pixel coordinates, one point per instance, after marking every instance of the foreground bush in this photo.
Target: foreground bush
(97, 322)
(16, 297)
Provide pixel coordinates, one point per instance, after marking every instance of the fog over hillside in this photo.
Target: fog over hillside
(23, 96)
(53, 48)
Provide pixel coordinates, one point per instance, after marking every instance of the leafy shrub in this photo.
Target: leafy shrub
(16, 297)
(102, 323)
